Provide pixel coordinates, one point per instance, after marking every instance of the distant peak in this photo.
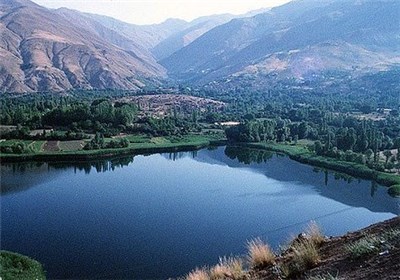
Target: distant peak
(18, 3)
(174, 20)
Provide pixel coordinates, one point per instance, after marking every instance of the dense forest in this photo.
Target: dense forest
(360, 124)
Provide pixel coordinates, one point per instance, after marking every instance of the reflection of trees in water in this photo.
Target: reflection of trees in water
(347, 178)
(17, 177)
(21, 167)
(99, 165)
(179, 155)
(87, 166)
(247, 156)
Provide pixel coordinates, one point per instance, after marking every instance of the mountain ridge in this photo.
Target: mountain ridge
(43, 51)
(366, 25)
(62, 49)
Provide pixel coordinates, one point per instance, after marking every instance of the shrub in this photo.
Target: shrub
(231, 268)
(305, 256)
(394, 190)
(198, 274)
(392, 234)
(260, 254)
(16, 266)
(314, 233)
(327, 276)
(365, 245)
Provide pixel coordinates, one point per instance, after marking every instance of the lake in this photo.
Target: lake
(161, 215)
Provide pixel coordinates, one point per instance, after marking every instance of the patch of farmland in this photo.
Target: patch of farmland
(73, 145)
(51, 146)
(36, 146)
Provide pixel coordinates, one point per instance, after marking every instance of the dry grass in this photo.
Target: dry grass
(260, 254)
(227, 268)
(301, 254)
(305, 256)
(314, 233)
(198, 274)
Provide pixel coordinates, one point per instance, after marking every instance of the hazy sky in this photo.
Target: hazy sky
(155, 11)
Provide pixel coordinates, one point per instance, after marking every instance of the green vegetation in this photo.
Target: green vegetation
(37, 146)
(362, 146)
(304, 155)
(373, 243)
(366, 245)
(146, 145)
(100, 124)
(16, 266)
(21, 146)
(352, 130)
(327, 276)
(394, 190)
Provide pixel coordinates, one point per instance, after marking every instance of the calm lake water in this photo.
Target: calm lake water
(160, 216)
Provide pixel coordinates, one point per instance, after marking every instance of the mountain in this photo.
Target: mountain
(160, 39)
(45, 50)
(56, 50)
(299, 39)
(194, 30)
(113, 36)
(147, 36)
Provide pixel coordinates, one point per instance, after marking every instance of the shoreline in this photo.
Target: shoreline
(299, 154)
(82, 155)
(350, 168)
(371, 252)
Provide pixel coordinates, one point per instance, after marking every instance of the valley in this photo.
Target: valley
(145, 151)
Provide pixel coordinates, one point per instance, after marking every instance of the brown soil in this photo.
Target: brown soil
(336, 260)
(51, 146)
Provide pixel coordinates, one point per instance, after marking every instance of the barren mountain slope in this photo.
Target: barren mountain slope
(43, 51)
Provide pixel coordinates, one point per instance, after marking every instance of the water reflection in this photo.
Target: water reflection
(273, 165)
(31, 174)
(86, 220)
(335, 185)
(248, 156)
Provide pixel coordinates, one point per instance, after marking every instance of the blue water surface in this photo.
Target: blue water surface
(159, 216)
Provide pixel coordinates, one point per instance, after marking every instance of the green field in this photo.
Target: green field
(33, 146)
(72, 150)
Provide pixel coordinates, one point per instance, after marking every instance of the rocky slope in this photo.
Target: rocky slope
(193, 30)
(56, 50)
(298, 39)
(147, 36)
(42, 50)
(370, 253)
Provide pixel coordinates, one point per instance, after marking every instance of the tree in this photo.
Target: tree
(387, 154)
(303, 130)
(369, 154)
(318, 147)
